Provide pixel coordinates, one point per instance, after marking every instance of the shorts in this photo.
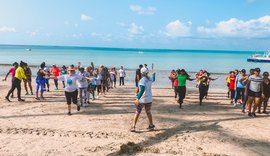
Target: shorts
(228, 84)
(254, 94)
(72, 97)
(29, 79)
(147, 107)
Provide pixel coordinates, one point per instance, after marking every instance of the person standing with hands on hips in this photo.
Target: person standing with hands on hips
(144, 98)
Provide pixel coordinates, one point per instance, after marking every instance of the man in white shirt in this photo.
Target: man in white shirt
(122, 75)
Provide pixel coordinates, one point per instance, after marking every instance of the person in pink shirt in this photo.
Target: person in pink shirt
(12, 71)
(55, 71)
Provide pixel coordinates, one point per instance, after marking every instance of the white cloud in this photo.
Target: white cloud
(238, 28)
(135, 29)
(143, 11)
(85, 17)
(176, 29)
(7, 29)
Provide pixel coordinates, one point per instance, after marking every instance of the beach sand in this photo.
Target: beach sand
(216, 128)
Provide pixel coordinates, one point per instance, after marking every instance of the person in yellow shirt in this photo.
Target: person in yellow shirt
(16, 82)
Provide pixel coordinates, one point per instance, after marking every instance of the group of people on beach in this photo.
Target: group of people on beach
(81, 82)
(178, 80)
(76, 80)
(252, 90)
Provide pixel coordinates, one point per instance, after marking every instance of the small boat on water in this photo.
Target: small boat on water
(259, 58)
(28, 49)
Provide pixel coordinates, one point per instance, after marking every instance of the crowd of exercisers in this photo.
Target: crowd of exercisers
(86, 83)
(250, 91)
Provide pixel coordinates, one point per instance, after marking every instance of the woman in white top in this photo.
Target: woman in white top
(144, 98)
(71, 91)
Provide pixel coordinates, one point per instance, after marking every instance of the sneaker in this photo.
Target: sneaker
(7, 99)
(68, 113)
(151, 127)
(26, 93)
(234, 104)
(37, 98)
(253, 115)
(21, 100)
(55, 88)
(12, 96)
(249, 114)
(32, 93)
(78, 108)
(88, 102)
(243, 111)
(48, 90)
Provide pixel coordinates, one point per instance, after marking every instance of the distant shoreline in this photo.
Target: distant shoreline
(128, 49)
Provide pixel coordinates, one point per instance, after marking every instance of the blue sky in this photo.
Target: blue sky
(173, 24)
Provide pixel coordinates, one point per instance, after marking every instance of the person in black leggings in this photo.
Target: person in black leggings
(16, 82)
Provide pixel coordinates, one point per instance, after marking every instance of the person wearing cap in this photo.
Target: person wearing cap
(144, 99)
(255, 88)
(12, 71)
(83, 85)
(71, 91)
(182, 78)
(55, 71)
(16, 82)
(240, 87)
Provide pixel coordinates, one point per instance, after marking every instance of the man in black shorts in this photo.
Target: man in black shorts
(138, 77)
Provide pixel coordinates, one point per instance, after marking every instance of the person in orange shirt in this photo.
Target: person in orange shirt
(172, 77)
(55, 71)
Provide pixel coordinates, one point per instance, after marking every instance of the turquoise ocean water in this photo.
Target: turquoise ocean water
(214, 61)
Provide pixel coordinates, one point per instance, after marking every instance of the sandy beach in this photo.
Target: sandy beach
(214, 129)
